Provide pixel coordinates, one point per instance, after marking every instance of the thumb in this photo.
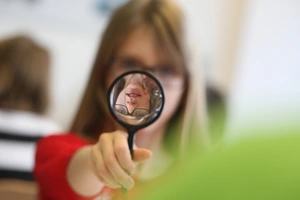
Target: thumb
(141, 155)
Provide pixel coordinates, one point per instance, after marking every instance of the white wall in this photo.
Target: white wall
(266, 88)
(267, 76)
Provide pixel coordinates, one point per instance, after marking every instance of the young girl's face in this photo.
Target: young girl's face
(134, 95)
(140, 51)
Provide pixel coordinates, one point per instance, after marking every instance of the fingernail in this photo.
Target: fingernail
(129, 184)
(129, 172)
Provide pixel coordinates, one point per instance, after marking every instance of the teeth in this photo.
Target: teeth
(133, 95)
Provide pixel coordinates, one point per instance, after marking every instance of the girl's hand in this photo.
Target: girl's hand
(111, 160)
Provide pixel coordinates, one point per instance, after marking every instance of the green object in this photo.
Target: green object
(257, 169)
(124, 190)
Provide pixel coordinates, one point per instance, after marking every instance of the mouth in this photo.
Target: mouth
(133, 95)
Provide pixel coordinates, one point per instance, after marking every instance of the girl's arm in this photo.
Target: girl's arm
(80, 175)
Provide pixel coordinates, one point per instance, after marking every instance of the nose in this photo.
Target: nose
(131, 105)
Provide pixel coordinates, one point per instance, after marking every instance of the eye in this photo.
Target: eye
(121, 109)
(166, 71)
(140, 113)
(129, 64)
(139, 116)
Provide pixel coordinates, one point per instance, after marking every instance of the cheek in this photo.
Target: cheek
(146, 102)
(172, 101)
(121, 98)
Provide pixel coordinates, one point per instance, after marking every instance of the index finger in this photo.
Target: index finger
(123, 154)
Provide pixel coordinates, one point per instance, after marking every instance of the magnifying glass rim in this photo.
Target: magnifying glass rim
(124, 124)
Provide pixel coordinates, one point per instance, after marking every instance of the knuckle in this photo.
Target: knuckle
(93, 152)
(121, 134)
(103, 137)
(103, 171)
(110, 161)
(129, 168)
(121, 149)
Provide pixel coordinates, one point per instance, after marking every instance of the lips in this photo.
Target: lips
(133, 93)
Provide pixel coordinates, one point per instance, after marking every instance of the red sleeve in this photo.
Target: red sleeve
(52, 157)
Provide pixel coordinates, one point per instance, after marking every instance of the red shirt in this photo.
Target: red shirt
(51, 161)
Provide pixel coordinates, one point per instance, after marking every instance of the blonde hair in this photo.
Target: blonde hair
(163, 17)
(24, 75)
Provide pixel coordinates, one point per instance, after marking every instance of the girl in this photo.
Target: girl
(94, 158)
(24, 97)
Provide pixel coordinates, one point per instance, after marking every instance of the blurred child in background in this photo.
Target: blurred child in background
(24, 98)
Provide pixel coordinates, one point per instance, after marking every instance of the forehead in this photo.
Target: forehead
(141, 43)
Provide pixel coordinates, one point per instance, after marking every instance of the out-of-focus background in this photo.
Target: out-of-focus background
(250, 50)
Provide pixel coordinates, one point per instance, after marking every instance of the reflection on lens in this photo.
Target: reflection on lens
(136, 98)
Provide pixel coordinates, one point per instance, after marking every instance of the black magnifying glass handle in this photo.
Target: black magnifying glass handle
(130, 141)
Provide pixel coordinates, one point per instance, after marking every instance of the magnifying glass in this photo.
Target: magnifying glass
(136, 100)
